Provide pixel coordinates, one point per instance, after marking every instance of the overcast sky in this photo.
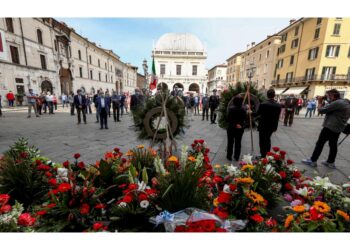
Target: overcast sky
(132, 38)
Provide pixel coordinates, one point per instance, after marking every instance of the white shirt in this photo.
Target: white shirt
(102, 102)
(49, 98)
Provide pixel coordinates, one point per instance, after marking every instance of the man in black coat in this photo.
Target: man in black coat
(213, 105)
(268, 113)
(136, 100)
(290, 106)
(80, 104)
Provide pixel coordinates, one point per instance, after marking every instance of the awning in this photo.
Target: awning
(279, 91)
(294, 90)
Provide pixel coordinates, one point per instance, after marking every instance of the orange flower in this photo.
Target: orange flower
(109, 155)
(97, 164)
(288, 220)
(246, 180)
(153, 152)
(255, 197)
(129, 153)
(344, 215)
(299, 209)
(215, 202)
(321, 207)
(141, 146)
(247, 167)
(172, 158)
(191, 158)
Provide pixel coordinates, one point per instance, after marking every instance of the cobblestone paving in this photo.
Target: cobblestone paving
(58, 137)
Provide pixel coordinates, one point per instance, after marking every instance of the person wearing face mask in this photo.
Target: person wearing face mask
(103, 103)
(337, 114)
(80, 104)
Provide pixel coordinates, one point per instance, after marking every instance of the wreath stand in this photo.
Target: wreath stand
(247, 96)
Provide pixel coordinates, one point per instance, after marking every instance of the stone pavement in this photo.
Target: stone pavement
(59, 137)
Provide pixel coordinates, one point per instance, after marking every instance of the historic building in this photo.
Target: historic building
(314, 56)
(141, 81)
(130, 78)
(217, 78)
(180, 60)
(233, 69)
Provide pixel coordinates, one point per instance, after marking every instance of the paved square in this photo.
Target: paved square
(58, 137)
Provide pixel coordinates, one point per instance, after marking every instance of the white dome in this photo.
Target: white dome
(179, 42)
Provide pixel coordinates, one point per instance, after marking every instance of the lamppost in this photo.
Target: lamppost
(250, 74)
(145, 70)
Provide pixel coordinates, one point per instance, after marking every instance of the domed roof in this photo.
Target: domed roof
(179, 42)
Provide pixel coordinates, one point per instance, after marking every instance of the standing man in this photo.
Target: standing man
(80, 105)
(213, 105)
(196, 105)
(205, 107)
(116, 106)
(88, 104)
(268, 113)
(31, 99)
(0, 106)
(49, 102)
(291, 103)
(95, 102)
(122, 103)
(10, 98)
(71, 103)
(299, 106)
(102, 109)
(136, 100)
(337, 115)
(64, 99)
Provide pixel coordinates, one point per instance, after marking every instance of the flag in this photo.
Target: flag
(153, 83)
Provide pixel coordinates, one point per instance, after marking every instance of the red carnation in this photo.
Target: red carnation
(296, 174)
(206, 159)
(97, 226)
(4, 198)
(100, 206)
(48, 174)
(116, 150)
(264, 161)
(123, 160)
(224, 197)
(201, 141)
(5, 209)
(51, 205)
(207, 150)
(38, 162)
(257, 218)
(43, 167)
(282, 174)
(290, 162)
(195, 141)
(64, 187)
(193, 145)
(142, 197)
(232, 187)
(84, 209)
(151, 192)
(81, 165)
(66, 164)
(269, 154)
(25, 220)
(217, 179)
(276, 149)
(76, 155)
(276, 157)
(53, 182)
(283, 153)
(127, 199)
(132, 186)
(288, 186)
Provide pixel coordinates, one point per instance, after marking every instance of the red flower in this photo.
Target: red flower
(41, 213)
(276, 149)
(257, 218)
(217, 179)
(296, 174)
(64, 187)
(81, 165)
(282, 174)
(201, 141)
(51, 205)
(232, 187)
(5, 209)
(193, 145)
(100, 206)
(4, 198)
(38, 162)
(53, 182)
(264, 161)
(132, 186)
(25, 220)
(48, 174)
(283, 153)
(123, 160)
(116, 150)
(271, 222)
(207, 150)
(66, 164)
(224, 197)
(23, 155)
(84, 209)
(195, 141)
(97, 226)
(77, 156)
(142, 197)
(222, 214)
(122, 186)
(269, 154)
(290, 162)
(127, 199)
(206, 159)
(276, 157)
(43, 167)
(151, 192)
(221, 230)
(288, 186)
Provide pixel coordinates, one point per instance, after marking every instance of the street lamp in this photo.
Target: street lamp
(250, 74)
(145, 70)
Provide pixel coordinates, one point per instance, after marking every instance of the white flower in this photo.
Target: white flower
(346, 200)
(141, 186)
(269, 168)
(324, 183)
(247, 159)
(122, 204)
(231, 170)
(302, 191)
(226, 189)
(159, 165)
(346, 185)
(144, 204)
(62, 174)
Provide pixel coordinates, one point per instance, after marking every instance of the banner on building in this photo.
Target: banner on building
(3, 53)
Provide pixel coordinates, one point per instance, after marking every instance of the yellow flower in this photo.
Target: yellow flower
(247, 167)
(215, 202)
(344, 215)
(140, 146)
(191, 158)
(246, 180)
(321, 207)
(288, 220)
(217, 166)
(255, 197)
(299, 209)
(172, 158)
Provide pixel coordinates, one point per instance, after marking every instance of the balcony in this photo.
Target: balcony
(313, 78)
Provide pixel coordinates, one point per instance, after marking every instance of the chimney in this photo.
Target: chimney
(253, 44)
(292, 21)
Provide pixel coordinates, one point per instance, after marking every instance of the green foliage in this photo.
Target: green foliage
(227, 96)
(19, 176)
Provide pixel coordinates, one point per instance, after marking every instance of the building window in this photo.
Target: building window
(309, 74)
(265, 68)
(289, 77)
(313, 53)
(162, 69)
(91, 75)
(40, 36)
(105, 65)
(55, 43)
(319, 21)
(284, 37)
(9, 25)
(278, 78)
(106, 78)
(14, 54)
(291, 60)
(295, 43)
(296, 31)
(194, 70)
(98, 62)
(317, 33)
(281, 49)
(43, 62)
(79, 54)
(90, 60)
(328, 73)
(99, 76)
(267, 53)
(332, 50)
(111, 68)
(260, 57)
(280, 63)
(336, 29)
(178, 70)
(81, 72)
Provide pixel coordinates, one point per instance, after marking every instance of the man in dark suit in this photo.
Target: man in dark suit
(268, 113)
(136, 100)
(103, 103)
(80, 105)
(205, 106)
(290, 106)
(214, 102)
(116, 98)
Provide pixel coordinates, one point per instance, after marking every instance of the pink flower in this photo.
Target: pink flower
(288, 197)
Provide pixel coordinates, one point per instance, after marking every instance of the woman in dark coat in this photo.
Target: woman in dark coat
(236, 117)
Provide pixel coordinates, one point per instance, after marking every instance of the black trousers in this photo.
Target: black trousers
(79, 111)
(212, 114)
(332, 138)
(205, 113)
(116, 113)
(265, 141)
(288, 117)
(72, 109)
(234, 136)
(103, 118)
(196, 109)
